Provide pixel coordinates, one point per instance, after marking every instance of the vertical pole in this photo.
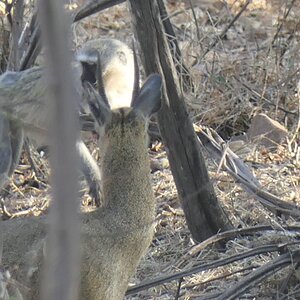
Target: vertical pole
(61, 274)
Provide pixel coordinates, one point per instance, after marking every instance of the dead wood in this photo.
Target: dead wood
(203, 213)
(242, 175)
(255, 277)
(284, 261)
(34, 46)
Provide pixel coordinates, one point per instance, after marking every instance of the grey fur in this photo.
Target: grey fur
(23, 103)
(117, 65)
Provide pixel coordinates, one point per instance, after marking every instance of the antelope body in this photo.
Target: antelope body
(115, 236)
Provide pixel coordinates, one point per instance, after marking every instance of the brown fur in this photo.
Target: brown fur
(114, 237)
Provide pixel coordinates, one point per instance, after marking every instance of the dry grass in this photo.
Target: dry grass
(253, 68)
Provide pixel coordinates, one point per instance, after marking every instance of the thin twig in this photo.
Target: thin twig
(34, 47)
(5, 213)
(260, 274)
(16, 30)
(182, 70)
(210, 139)
(258, 95)
(29, 154)
(206, 266)
(287, 12)
(231, 234)
(283, 287)
(223, 33)
(178, 289)
(226, 275)
(94, 7)
(195, 19)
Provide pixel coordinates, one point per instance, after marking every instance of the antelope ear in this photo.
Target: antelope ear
(148, 101)
(100, 109)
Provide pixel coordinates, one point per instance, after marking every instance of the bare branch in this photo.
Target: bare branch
(224, 31)
(207, 266)
(34, 48)
(241, 173)
(260, 274)
(93, 7)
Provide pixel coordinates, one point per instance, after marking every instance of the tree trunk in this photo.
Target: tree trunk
(203, 213)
